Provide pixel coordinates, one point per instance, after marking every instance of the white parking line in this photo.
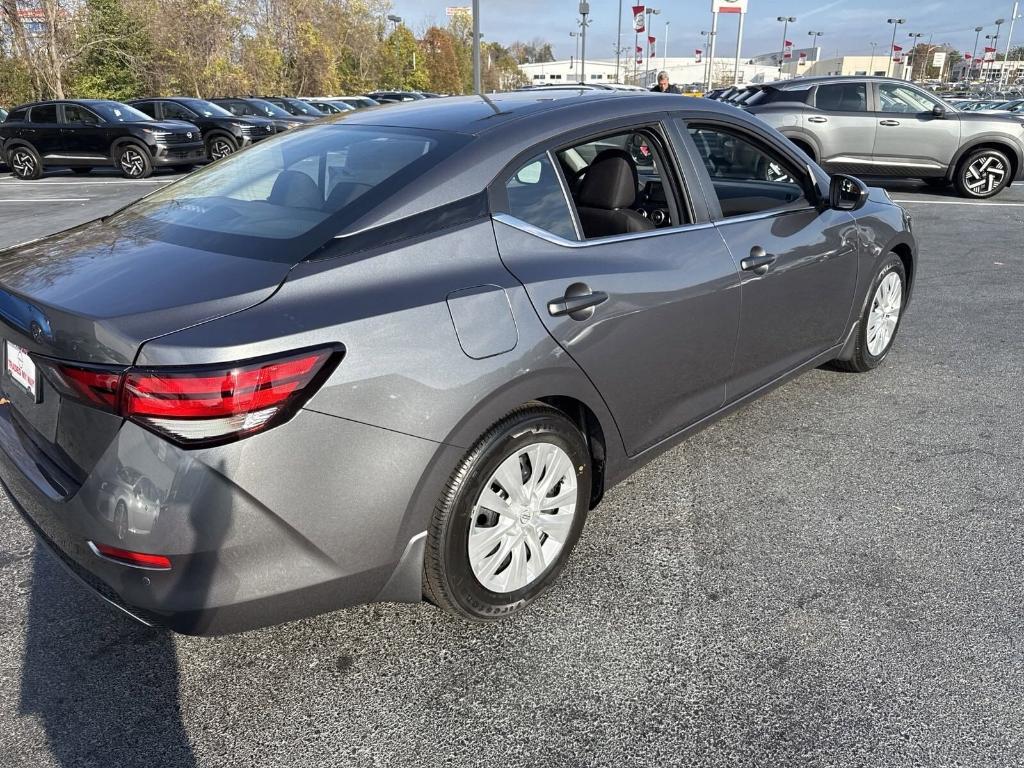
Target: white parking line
(48, 200)
(958, 202)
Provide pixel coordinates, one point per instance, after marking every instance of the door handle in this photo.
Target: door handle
(888, 122)
(817, 119)
(578, 302)
(758, 262)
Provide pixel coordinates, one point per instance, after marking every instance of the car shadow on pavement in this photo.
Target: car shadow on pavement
(103, 687)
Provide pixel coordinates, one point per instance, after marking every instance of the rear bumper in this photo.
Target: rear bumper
(237, 563)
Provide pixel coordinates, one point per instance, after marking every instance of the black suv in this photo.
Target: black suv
(86, 133)
(247, 107)
(223, 133)
(296, 107)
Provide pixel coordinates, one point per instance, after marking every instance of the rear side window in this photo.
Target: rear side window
(775, 96)
(174, 111)
(535, 196)
(148, 107)
(842, 97)
(47, 113)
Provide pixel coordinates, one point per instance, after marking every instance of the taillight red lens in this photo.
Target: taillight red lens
(204, 406)
(128, 557)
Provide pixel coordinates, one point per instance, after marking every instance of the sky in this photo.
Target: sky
(848, 26)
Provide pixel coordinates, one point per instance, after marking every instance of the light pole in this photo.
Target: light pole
(664, 48)
(892, 46)
(476, 46)
(915, 36)
(983, 58)
(706, 36)
(647, 46)
(785, 27)
(974, 55)
(584, 10)
(1009, 39)
(814, 40)
(995, 44)
(618, 45)
(396, 19)
(871, 66)
(576, 49)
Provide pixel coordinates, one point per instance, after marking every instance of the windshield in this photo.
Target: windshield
(115, 112)
(268, 109)
(291, 193)
(302, 107)
(206, 108)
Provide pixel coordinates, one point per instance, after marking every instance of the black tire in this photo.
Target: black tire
(989, 177)
(25, 162)
(448, 578)
(862, 359)
(134, 162)
(219, 146)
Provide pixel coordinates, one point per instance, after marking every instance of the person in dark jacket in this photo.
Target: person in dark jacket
(663, 85)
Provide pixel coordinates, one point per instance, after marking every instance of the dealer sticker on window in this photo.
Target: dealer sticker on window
(21, 368)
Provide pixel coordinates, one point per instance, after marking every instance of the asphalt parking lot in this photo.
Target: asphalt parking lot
(830, 577)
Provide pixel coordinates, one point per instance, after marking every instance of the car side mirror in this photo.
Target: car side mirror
(938, 111)
(847, 193)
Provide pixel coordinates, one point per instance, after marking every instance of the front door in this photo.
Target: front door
(84, 136)
(910, 139)
(649, 315)
(798, 261)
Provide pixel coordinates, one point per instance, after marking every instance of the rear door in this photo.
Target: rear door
(656, 311)
(84, 135)
(43, 131)
(910, 140)
(844, 127)
(798, 260)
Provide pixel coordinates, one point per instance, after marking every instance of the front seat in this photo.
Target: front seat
(607, 195)
(294, 189)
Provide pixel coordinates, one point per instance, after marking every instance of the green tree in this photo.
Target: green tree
(116, 50)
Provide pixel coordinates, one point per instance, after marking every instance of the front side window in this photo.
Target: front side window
(893, 97)
(174, 111)
(74, 113)
(747, 178)
(46, 113)
(842, 97)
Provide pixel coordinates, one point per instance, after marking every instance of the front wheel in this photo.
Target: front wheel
(509, 517)
(218, 147)
(880, 319)
(134, 162)
(983, 173)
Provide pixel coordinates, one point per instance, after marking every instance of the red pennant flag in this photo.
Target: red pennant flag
(639, 55)
(638, 18)
(803, 57)
(897, 48)
(650, 45)
(787, 50)
(967, 57)
(697, 54)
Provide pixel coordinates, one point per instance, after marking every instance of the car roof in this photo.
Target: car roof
(800, 83)
(476, 115)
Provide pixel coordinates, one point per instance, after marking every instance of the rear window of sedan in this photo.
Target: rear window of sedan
(291, 192)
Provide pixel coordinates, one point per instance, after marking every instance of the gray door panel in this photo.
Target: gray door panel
(801, 305)
(912, 141)
(660, 348)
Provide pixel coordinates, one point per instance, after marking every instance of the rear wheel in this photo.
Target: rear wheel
(82, 170)
(983, 173)
(25, 163)
(134, 162)
(509, 517)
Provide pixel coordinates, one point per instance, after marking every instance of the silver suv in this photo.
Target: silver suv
(875, 126)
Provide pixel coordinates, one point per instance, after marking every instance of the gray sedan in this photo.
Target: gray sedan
(404, 353)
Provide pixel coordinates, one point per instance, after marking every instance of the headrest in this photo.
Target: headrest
(610, 182)
(295, 189)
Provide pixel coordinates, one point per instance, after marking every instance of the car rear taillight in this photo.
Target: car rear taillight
(203, 406)
(129, 557)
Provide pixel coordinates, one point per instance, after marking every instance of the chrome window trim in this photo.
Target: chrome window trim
(763, 215)
(543, 234)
